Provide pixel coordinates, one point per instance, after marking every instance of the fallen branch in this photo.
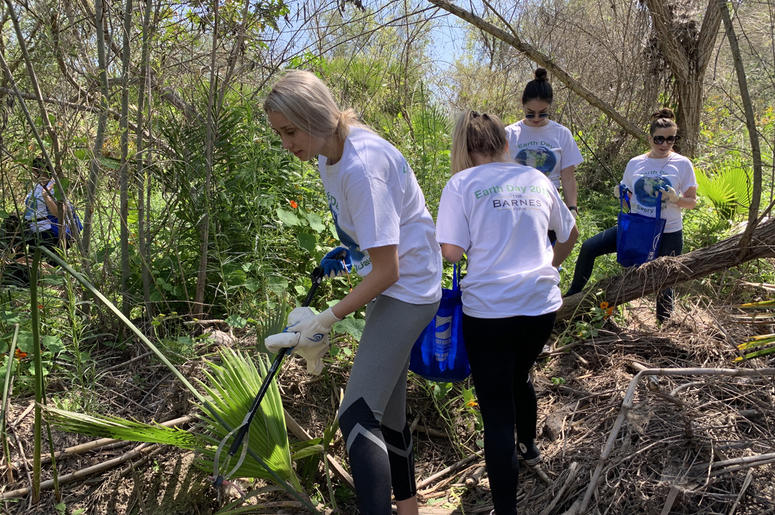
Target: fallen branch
(301, 434)
(443, 472)
(82, 473)
(568, 480)
(102, 442)
(746, 484)
(665, 272)
(627, 406)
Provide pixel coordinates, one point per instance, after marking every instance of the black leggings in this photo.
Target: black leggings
(501, 352)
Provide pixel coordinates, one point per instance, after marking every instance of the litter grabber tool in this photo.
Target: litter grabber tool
(241, 432)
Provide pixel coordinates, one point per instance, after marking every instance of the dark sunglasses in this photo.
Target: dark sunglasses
(661, 139)
(539, 115)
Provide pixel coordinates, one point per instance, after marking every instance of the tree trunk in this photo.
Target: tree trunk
(690, 95)
(211, 130)
(688, 59)
(102, 121)
(126, 302)
(750, 122)
(665, 272)
(142, 162)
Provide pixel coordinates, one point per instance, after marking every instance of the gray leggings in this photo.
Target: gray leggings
(372, 416)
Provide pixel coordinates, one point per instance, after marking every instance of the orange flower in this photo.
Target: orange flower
(19, 354)
(40, 306)
(293, 204)
(604, 305)
(472, 404)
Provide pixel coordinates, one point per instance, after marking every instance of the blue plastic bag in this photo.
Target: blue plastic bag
(637, 236)
(439, 354)
(55, 223)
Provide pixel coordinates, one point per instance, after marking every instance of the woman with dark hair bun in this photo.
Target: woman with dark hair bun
(544, 144)
(660, 169)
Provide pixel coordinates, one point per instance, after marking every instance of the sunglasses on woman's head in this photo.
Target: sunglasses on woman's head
(539, 115)
(662, 139)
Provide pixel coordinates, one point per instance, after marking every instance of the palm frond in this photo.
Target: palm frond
(232, 387)
(272, 324)
(720, 194)
(107, 426)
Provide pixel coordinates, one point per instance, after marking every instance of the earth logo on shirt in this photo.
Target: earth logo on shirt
(541, 158)
(647, 189)
(347, 240)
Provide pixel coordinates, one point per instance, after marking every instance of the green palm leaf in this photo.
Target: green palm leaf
(231, 390)
(107, 426)
(231, 386)
(720, 194)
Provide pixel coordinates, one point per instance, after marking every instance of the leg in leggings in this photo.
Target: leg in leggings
(598, 245)
(496, 364)
(526, 405)
(671, 245)
(376, 395)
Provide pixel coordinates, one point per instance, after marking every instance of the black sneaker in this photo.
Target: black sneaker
(530, 453)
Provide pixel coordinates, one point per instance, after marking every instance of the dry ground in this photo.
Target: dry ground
(671, 455)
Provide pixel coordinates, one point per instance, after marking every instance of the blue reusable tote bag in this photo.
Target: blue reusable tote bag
(439, 354)
(637, 236)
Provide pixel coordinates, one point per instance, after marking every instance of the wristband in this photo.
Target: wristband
(573, 208)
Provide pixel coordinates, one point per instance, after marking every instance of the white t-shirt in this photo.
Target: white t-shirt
(375, 200)
(644, 176)
(500, 214)
(36, 211)
(549, 148)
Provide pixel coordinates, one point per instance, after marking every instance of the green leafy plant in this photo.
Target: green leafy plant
(230, 387)
(759, 345)
(228, 400)
(728, 187)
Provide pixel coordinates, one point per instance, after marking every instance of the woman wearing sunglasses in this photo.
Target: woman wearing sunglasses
(544, 144)
(660, 169)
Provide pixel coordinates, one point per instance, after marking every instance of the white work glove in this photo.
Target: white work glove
(670, 194)
(307, 333)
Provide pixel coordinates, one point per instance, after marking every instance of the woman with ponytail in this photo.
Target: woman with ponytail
(544, 144)
(660, 169)
(388, 237)
(498, 212)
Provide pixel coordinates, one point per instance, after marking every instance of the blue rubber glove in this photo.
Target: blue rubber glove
(618, 189)
(337, 262)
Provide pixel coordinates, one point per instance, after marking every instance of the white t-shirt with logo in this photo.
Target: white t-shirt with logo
(644, 176)
(500, 213)
(375, 200)
(549, 148)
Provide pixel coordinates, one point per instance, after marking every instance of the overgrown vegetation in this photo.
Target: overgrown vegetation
(213, 177)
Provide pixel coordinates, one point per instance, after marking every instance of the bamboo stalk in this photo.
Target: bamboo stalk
(36, 357)
(4, 408)
(103, 442)
(84, 472)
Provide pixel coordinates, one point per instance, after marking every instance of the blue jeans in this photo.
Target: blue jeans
(605, 243)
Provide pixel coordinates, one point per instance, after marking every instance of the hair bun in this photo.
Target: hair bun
(541, 74)
(665, 112)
